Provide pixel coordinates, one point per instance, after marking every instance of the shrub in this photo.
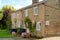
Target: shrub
(30, 25)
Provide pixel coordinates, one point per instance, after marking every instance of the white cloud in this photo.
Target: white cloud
(18, 7)
(0, 3)
(13, 2)
(29, 1)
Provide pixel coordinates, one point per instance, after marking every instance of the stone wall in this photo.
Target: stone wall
(53, 16)
(37, 18)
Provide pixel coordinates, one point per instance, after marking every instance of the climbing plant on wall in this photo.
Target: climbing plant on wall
(30, 25)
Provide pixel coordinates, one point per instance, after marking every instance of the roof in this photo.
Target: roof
(32, 5)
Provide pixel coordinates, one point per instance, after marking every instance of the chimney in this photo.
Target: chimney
(35, 1)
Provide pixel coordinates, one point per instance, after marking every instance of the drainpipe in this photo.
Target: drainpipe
(45, 17)
(44, 30)
(45, 20)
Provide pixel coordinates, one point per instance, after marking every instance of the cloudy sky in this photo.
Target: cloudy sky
(16, 3)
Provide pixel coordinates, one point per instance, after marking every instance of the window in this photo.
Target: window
(47, 23)
(17, 24)
(26, 12)
(38, 26)
(24, 26)
(35, 11)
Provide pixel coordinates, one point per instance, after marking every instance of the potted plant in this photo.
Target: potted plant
(13, 31)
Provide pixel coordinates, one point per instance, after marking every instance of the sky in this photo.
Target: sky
(17, 4)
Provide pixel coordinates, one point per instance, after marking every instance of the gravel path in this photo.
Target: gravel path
(51, 38)
(16, 39)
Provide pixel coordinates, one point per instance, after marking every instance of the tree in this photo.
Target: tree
(6, 10)
(5, 21)
(7, 7)
(1, 15)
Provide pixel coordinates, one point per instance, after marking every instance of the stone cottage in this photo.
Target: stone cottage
(45, 13)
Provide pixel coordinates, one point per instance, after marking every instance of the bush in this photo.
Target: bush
(6, 23)
(30, 25)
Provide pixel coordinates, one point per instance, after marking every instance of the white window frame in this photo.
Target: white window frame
(35, 10)
(47, 22)
(26, 12)
(38, 26)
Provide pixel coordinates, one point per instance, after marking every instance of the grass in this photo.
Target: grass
(5, 34)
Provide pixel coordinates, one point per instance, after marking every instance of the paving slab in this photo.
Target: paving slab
(51, 38)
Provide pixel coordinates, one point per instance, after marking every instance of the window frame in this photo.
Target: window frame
(47, 22)
(38, 26)
(26, 12)
(35, 10)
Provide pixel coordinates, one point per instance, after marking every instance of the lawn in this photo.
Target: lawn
(5, 34)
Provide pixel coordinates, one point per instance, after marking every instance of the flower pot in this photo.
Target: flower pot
(13, 31)
(22, 30)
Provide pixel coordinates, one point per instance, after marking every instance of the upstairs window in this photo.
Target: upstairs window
(26, 12)
(35, 10)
